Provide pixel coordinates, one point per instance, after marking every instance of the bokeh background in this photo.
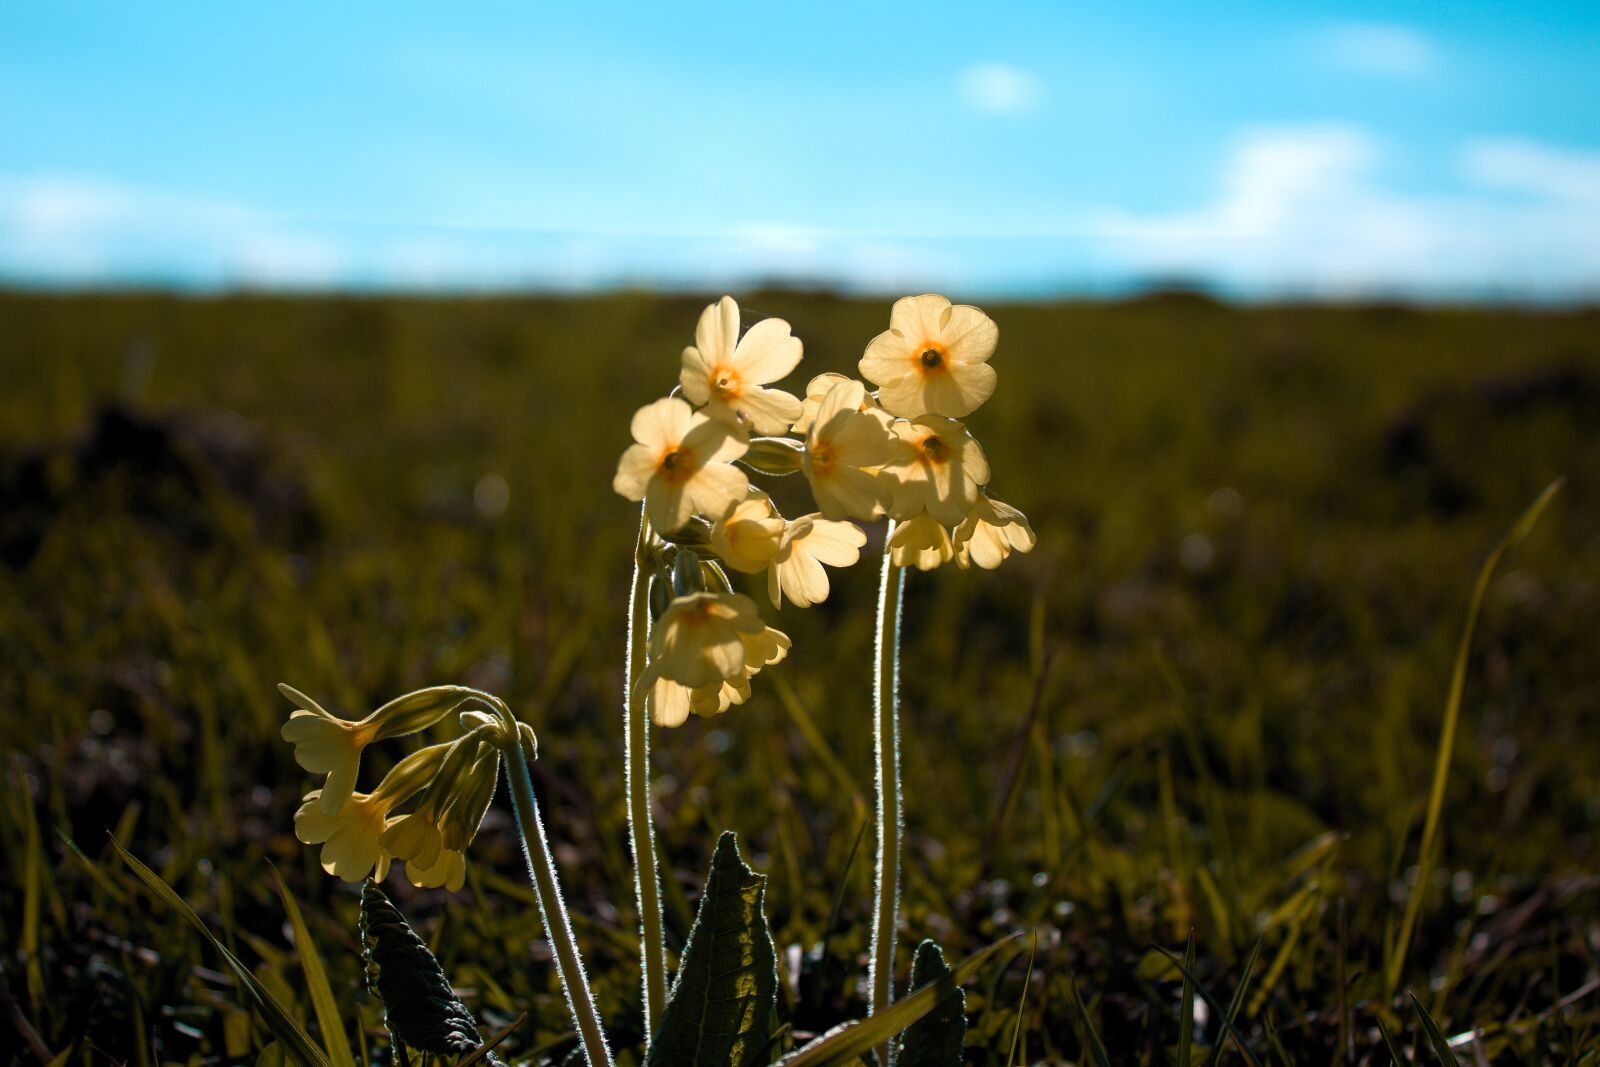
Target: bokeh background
(319, 335)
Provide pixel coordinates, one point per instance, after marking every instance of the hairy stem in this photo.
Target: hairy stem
(886, 713)
(542, 872)
(641, 831)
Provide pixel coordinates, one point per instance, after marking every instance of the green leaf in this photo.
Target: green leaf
(294, 1042)
(935, 1039)
(322, 1000)
(848, 1041)
(722, 1001)
(420, 1008)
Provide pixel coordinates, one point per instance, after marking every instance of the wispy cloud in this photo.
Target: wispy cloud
(1388, 49)
(1306, 208)
(1000, 89)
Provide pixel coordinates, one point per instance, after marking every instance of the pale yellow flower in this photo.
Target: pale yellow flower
(747, 537)
(990, 533)
(703, 638)
(448, 871)
(416, 838)
(921, 543)
(817, 390)
(671, 702)
(350, 838)
(846, 449)
(807, 543)
(729, 378)
(326, 744)
(681, 463)
(940, 470)
(933, 359)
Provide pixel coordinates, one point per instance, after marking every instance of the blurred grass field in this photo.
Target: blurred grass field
(1209, 700)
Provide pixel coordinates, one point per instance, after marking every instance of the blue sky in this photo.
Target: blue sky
(1447, 150)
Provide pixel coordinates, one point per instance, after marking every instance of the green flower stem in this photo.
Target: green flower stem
(641, 831)
(886, 711)
(542, 872)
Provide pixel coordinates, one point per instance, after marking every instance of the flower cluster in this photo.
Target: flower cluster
(898, 453)
(363, 833)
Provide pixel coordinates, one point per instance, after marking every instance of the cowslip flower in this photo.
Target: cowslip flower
(748, 536)
(816, 391)
(701, 639)
(940, 469)
(326, 744)
(728, 374)
(806, 544)
(933, 358)
(681, 463)
(991, 531)
(846, 450)
(350, 837)
(920, 542)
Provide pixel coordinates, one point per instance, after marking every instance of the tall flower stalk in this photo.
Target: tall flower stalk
(886, 719)
(641, 829)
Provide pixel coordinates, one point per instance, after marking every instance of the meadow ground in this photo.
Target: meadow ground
(1209, 701)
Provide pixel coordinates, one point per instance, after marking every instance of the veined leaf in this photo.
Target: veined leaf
(721, 1005)
(292, 1038)
(935, 1039)
(848, 1041)
(420, 1008)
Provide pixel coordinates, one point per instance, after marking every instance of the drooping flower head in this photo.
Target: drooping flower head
(748, 537)
(699, 640)
(933, 358)
(681, 463)
(920, 542)
(728, 374)
(990, 533)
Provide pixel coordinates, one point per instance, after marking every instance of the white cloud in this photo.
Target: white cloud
(1305, 208)
(1382, 48)
(1536, 170)
(1000, 89)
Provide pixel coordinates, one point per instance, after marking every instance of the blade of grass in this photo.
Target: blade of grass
(1091, 1037)
(295, 1042)
(1022, 1001)
(1186, 1019)
(322, 999)
(1226, 1021)
(844, 1044)
(1426, 854)
(1436, 1041)
(1388, 1043)
(1238, 997)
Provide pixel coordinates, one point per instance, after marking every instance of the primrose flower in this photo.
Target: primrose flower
(671, 703)
(990, 533)
(747, 537)
(730, 379)
(846, 450)
(351, 837)
(807, 543)
(933, 358)
(817, 390)
(940, 468)
(700, 639)
(920, 542)
(681, 463)
(326, 744)
(449, 871)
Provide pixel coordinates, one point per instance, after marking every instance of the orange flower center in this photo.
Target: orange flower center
(822, 459)
(725, 384)
(932, 359)
(934, 450)
(676, 464)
